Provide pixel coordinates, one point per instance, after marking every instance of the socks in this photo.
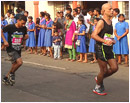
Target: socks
(97, 86)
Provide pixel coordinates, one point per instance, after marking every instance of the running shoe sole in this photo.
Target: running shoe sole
(102, 94)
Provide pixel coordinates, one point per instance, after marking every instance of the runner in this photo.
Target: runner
(16, 33)
(104, 53)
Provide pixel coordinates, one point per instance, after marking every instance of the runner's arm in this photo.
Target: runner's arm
(97, 30)
(26, 36)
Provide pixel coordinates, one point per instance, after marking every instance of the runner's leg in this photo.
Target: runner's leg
(113, 67)
(15, 66)
(103, 71)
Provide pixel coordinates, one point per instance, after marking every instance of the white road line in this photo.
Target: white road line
(44, 65)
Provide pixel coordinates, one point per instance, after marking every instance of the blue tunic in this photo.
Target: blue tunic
(92, 44)
(48, 35)
(121, 46)
(31, 40)
(41, 36)
(4, 23)
(82, 47)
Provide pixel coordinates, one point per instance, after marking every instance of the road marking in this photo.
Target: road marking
(44, 65)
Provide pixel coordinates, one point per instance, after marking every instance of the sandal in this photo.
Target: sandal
(68, 59)
(73, 60)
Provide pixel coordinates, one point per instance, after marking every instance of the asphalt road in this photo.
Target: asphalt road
(61, 81)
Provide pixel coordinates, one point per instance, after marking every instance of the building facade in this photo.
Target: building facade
(35, 7)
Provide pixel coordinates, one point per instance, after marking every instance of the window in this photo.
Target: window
(126, 9)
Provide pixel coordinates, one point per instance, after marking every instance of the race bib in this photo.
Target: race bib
(17, 40)
(107, 37)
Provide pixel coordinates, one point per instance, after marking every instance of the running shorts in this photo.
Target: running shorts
(104, 52)
(13, 56)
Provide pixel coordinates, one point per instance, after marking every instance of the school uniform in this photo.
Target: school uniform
(48, 34)
(92, 44)
(82, 47)
(4, 23)
(41, 36)
(31, 40)
(121, 46)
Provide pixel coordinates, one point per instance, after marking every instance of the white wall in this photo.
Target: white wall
(47, 6)
(30, 8)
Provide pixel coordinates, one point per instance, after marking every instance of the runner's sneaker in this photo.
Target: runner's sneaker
(102, 86)
(99, 91)
(5, 80)
(12, 77)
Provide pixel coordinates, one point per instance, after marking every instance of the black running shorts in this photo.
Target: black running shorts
(104, 52)
(14, 55)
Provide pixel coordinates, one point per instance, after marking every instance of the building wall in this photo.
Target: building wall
(29, 7)
(47, 6)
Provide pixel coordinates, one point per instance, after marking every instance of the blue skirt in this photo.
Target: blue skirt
(82, 47)
(121, 46)
(92, 45)
(41, 37)
(30, 42)
(6, 37)
(48, 38)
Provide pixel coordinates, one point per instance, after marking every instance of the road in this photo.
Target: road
(42, 79)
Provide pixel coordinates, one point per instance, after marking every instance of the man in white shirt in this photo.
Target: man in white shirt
(75, 14)
(8, 16)
(86, 19)
(116, 11)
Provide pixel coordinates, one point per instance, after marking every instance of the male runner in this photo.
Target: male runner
(104, 53)
(16, 33)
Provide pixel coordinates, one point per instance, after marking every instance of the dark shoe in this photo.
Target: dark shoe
(5, 80)
(12, 77)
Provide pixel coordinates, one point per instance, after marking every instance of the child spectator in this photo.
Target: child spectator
(48, 34)
(56, 41)
(37, 32)
(121, 45)
(31, 40)
(81, 46)
(41, 36)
